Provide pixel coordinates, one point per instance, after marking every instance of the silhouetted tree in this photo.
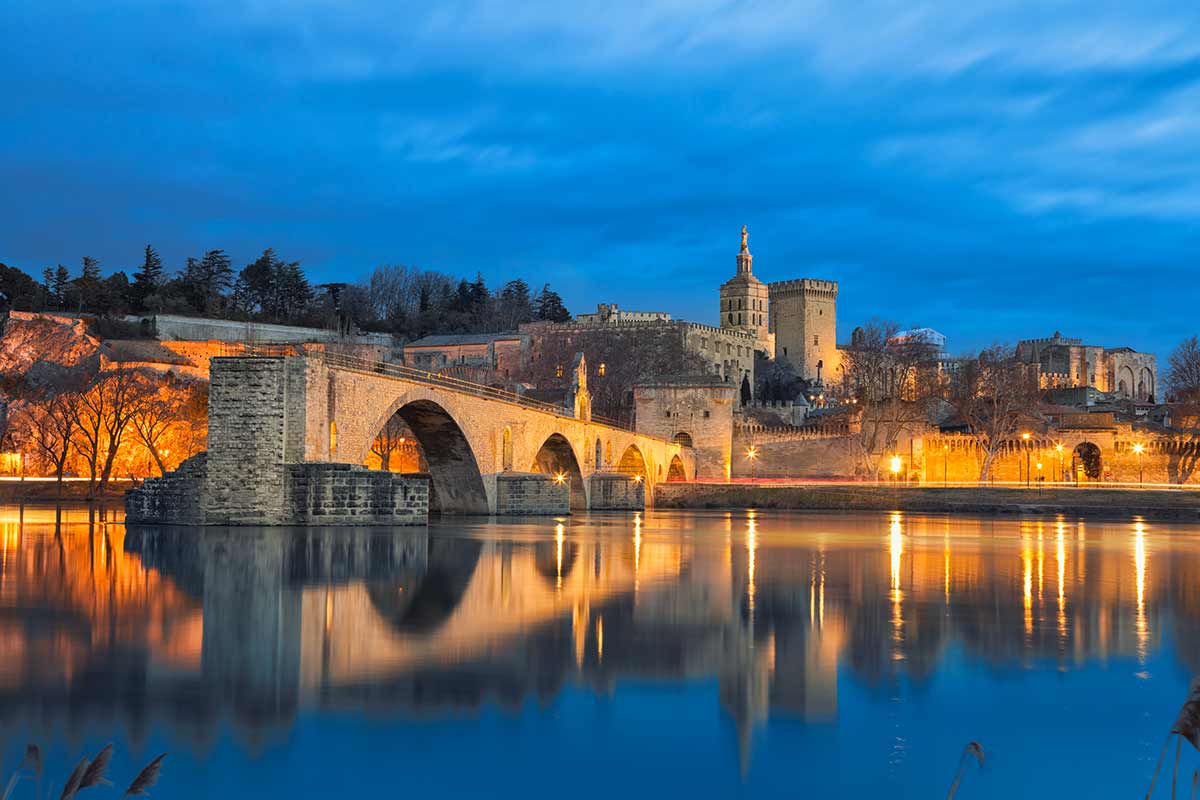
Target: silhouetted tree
(549, 306)
(148, 279)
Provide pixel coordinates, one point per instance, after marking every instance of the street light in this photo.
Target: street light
(752, 456)
(1059, 448)
(896, 464)
(1139, 448)
(1025, 436)
(1039, 469)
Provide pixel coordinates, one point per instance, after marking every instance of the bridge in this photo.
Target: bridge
(289, 435)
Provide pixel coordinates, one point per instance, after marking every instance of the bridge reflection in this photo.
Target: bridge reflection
(99, 624)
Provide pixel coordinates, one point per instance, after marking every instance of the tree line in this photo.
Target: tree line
(401, 300)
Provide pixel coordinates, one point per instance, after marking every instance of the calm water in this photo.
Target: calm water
(715, 654)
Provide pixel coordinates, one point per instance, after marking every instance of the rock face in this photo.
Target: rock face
(45, 343)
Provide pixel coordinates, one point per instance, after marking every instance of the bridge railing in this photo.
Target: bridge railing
(402, 372)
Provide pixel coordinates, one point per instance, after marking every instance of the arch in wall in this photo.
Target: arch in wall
(683, 437)
(1085, 461)
(676, 472)
(424, 602)
(1125, 378)
(608, 452)
(633, 463)
(557, 457)
(599, 454)
(1146, 382)
(506, 450)
(456, 484)
(332, 438)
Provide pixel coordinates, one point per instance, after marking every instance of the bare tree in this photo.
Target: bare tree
(389, 440)
(160, 414)
(1183, 370)
(892, 379)
(995, 395)
(49, 423)
(102, 418)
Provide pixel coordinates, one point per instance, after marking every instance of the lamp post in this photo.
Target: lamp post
(1039, 469)
(1138, 449)
(1025, 437)
(752, 456)
(896, 463)
(1059, 448)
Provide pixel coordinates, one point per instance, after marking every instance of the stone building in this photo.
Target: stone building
(505, 353)
(1065, 363)
(695, 411)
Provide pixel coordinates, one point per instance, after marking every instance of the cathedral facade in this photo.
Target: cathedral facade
(793, 321)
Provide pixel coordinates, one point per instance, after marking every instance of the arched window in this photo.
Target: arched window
(599, 455)
(506, 450)
(684, 438)
(332, 438)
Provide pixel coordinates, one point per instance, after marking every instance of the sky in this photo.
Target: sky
(996, 170)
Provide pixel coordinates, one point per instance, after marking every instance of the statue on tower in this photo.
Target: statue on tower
(745, 246)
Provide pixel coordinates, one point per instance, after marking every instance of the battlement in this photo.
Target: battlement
(811, 287)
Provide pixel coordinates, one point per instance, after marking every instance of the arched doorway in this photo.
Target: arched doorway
(632, 463)
(1085, 462)
(556, 457)
(676, 473)
(683, 437)
(455, 485)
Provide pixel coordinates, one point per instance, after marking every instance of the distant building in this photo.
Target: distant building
(745, 302)
(1065, 363)
(504, 353)
(609, 312)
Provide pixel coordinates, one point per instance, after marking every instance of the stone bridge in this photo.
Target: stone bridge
(288, 436)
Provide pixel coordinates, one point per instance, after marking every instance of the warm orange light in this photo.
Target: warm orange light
(1025, 436)
(1058, 447)
(1139, 448)
(560, 477)
(637, 478)
(896, 464)
(1039, 466)
(752, 453)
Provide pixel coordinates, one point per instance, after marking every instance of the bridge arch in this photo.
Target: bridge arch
(456, 483)
(557, 457)
(633, 463)
(423, 603)
(676, 471)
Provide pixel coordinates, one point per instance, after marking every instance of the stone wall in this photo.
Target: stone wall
(613, 491)
(344, 494)
(815, 457)
(531, 493)
(804, 320)
(177, 498)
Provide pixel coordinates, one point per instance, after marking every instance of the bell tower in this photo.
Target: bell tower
(745, 299)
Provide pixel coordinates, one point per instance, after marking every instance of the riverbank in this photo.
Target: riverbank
(1181, 505)
(15, 491)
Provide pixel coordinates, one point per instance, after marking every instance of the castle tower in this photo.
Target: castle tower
(745, 301)
(804, 321)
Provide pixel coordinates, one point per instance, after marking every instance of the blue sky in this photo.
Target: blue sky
(995, 170)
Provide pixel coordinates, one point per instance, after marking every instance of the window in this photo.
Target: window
(558, 371)
(816, 341)
(785, 351)
(601, 369)
(684, 438)
(667, 413)
(332, 437)
(706, 414)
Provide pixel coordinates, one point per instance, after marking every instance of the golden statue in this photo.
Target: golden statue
(745, 247)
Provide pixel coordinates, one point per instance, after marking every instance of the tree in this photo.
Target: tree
(49, 422)
(148, 279)
(389, 440)
(206, 280)
(995, 395)
(91, 269)
(514, 305)
(892, 380)
(18, 290)
(549, 306)
(162, 413)
(1183, 370)
(106, 409)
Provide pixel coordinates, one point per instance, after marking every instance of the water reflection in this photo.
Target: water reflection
(254, 625)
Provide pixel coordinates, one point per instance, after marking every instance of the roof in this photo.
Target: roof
(465, 338)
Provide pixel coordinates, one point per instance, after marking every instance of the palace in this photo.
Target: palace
(793, 321)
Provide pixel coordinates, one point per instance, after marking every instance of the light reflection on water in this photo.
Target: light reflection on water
(740, 652)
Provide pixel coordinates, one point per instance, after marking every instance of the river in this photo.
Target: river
(623, 655)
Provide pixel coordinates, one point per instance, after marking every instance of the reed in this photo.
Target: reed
(964, 761)
(1187, 726)
(88, 773)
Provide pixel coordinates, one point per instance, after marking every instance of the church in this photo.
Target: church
(793, 321)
